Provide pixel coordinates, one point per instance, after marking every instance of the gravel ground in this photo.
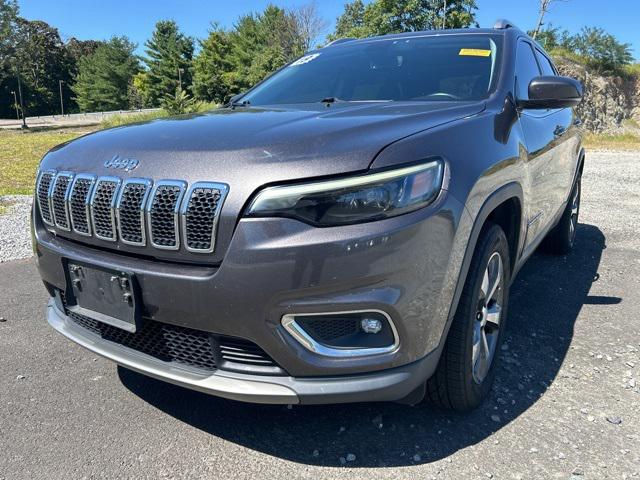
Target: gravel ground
(15, 239)
(565, 405)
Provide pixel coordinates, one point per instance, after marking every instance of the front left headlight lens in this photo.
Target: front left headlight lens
(355, 199)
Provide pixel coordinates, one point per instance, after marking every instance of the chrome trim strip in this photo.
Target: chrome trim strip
(298, 333)
(117, 181)
(87, 210)
(167, 183)
(143, 204)
(224, 190)
(65, 199)
(40, 175)
(221, 384)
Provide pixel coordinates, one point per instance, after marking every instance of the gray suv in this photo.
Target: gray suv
(347, 230)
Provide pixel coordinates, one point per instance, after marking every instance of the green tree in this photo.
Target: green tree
(382, 17)
(211, 67)
(42, 61)
(169, 57)
(260, 44)
(104, 76)
(603, 51)
(8, 17)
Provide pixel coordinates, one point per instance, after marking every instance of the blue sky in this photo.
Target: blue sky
(95, 19)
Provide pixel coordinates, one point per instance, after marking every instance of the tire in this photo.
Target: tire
(560, 239)
(460, 382)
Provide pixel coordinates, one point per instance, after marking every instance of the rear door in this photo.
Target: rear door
(543, 131)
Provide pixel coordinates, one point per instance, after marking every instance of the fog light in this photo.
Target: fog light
(370, 325)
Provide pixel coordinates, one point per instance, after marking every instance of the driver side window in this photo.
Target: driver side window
(526, 69)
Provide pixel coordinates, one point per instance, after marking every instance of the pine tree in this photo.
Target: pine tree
(103, 77)
(169, 59)
(211, 66)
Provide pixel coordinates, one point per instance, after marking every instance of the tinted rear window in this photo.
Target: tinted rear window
(414, 68)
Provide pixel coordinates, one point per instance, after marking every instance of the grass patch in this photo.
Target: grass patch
(20, 153)
(119, 120)
(626, 141)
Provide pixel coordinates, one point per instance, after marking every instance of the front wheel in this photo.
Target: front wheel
(466, 369)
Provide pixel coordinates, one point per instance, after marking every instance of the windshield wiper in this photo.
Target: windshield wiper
(242, 103)
(332, 100)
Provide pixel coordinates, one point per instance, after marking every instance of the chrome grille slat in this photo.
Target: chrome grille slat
(102, 205)
(78, 204)
(130, 211)
(162, 214)
(59, 194)
(44, 184)
(200, 215)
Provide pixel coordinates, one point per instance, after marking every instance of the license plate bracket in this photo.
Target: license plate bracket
(108, 296)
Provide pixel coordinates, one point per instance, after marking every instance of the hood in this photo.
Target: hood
(248, 148)
(228, 145)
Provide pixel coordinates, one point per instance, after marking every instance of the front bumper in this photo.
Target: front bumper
(405, 266)
(388, 385)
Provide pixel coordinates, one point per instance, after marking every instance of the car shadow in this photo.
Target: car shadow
(545, 300)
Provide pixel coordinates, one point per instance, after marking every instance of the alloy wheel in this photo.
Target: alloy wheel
(487, 325)
(575, 210)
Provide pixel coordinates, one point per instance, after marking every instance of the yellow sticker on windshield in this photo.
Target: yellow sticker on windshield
(474, 52)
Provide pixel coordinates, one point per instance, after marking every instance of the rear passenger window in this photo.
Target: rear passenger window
(526, 70)
(545, 64)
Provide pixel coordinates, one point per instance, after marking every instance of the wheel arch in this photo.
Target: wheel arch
(503, 205)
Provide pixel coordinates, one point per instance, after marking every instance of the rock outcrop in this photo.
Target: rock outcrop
(611, 103)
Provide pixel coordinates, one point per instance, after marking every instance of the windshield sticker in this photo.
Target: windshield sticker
(475, 52)
(305, 59)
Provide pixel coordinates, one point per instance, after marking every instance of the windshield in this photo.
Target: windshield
(415, 68)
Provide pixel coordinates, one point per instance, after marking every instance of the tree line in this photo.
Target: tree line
(177, 71)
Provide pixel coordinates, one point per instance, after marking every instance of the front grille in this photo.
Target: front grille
(134, 211)
(163, 215)
(44, 183)
(60, 189)
(130, 211)
(102, 209)
(79, 204)
(200, 215)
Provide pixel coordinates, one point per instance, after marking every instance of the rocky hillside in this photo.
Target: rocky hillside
(611, 104)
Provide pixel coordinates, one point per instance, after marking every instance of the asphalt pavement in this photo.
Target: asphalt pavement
(566, 403)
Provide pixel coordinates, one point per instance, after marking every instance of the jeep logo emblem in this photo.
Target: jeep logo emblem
(126, 164)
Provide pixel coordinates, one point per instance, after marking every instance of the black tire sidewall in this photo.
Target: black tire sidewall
(493, 240)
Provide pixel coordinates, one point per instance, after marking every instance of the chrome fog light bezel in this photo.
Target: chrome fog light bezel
(307, 341)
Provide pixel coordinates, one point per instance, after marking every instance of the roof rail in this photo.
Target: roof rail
(339, 40)
(503, 23)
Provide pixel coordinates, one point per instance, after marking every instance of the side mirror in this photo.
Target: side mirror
(550, 91)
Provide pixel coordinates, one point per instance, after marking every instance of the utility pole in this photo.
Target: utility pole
(444, 15)
(15, 104)
(180, 70)
(60, 82)
(24, 121)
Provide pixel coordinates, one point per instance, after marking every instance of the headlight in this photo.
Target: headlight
(356, 199)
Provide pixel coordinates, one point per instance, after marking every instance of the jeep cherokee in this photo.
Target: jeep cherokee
(347, 230)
